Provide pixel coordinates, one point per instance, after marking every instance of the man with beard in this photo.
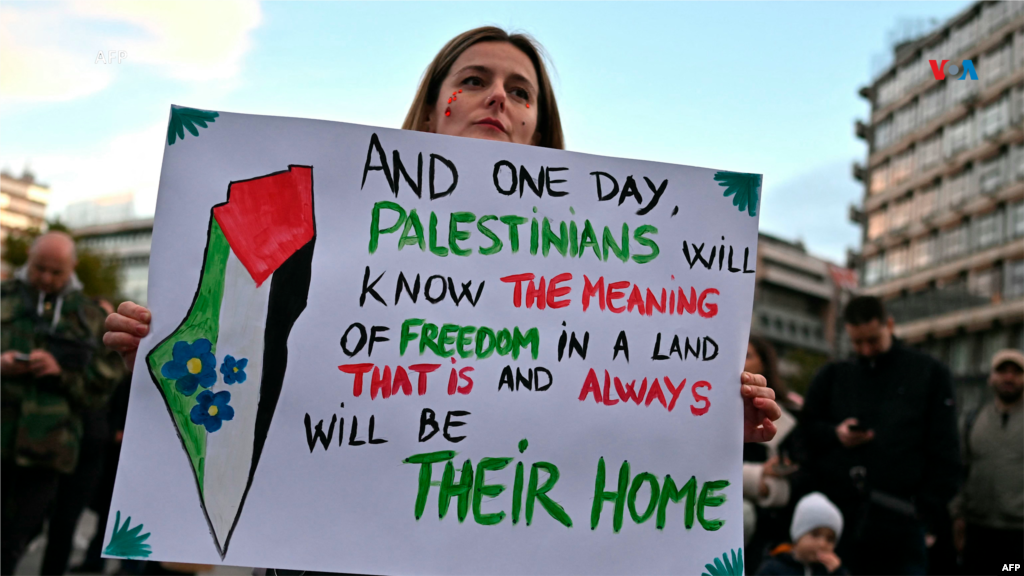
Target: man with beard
(989, 512)
(881, 435)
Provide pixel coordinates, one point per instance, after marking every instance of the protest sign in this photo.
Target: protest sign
(384, 351)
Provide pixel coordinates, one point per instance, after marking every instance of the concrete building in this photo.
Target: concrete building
(22, 206)
(943, 208)
(797, 305)
(95, 211)
(129, 243)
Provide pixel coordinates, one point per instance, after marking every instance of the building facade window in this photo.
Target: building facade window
(964, 36)
(880, 178)
(991, 174)
(993, 16)
(957, 189)
(988, 230)
(1013, 279)
(959, 135)
(932, 103)
(896, 262)
(1015, 219)
(883, 134)
(873, 270)
(902, 167)
(899, 214)
(904, 120)
(887, 92)
(929, 152)
(995, 64)
(983, 283)
(995, 117)
(1018, 38)
(925, 202)
(957, 92)
(876, 224)
(954, 242)
(922, 252)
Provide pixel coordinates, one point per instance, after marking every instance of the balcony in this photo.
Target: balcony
(934, 303)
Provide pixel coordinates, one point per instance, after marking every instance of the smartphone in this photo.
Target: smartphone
(22, 357)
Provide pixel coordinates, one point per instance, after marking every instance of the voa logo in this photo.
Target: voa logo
(1011, 567)
(940, 70)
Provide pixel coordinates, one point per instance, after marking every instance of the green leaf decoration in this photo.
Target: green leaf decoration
(125, 542)
(186, 119)
(744, 188)
(724, 567)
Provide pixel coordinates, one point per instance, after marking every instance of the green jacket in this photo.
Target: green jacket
(40, 419)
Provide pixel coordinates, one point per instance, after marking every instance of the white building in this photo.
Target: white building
(96, 211)
(943, 208)
(127, 242)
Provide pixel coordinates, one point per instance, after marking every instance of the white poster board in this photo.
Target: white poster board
(382, 351)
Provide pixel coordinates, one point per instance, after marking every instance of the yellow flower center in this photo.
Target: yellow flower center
(195, 366)
(213, 410)
(235, 368)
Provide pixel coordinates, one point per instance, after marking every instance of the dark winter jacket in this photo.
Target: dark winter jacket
(783, 564)
(913, 462)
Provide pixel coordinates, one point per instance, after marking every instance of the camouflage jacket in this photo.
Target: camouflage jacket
(40, 419)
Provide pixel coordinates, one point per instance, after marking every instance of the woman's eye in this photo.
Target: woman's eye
(519, 92)
(473, 81)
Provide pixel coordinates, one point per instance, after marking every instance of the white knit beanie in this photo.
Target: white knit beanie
(814, 511)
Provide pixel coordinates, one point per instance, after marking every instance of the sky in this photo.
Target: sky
(759, 87)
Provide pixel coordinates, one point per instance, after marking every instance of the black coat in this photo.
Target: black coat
(785, 565)
(907, 398)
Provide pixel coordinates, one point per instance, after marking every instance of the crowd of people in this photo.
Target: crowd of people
(869, 474)
(876, 447)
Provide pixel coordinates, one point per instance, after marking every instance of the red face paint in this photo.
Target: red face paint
(460, 91)
(448, 111)
(527, 105)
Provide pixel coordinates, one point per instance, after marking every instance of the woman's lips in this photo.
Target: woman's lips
(493, 123)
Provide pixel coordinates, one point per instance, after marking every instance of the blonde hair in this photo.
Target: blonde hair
(549, 123)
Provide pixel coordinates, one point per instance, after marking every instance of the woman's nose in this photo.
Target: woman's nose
(497, 96)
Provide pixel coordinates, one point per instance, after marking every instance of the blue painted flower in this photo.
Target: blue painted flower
(233, 370)
(212, 409)
(192, 365)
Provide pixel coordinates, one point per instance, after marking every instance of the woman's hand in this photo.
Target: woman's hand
(125, 328)
(759, 408)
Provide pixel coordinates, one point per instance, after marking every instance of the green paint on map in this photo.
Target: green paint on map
(202, 322)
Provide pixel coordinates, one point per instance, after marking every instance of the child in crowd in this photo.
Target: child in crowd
(817, 525)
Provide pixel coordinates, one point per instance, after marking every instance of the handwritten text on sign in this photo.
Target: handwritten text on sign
(462, 346)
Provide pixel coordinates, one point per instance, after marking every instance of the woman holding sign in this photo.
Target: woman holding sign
(486, 84)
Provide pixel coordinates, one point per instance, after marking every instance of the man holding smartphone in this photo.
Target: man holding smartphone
(883, 444)
(52, 366)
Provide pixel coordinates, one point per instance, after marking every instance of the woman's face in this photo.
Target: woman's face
(490, 93)
(753, 363)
